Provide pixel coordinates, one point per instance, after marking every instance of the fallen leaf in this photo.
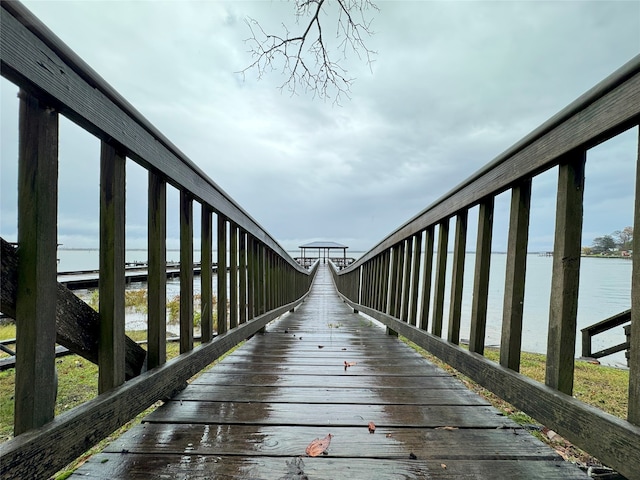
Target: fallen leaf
(320, 346)
(412, 456)
(349, 364)
(389, 435)
(318, 446)
(443, 465)
(446, 428)
(344, 349)
(372, 427)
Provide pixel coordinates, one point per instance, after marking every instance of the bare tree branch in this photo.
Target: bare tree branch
(305, 59)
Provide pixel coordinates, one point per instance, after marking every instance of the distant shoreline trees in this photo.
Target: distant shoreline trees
(618, 241)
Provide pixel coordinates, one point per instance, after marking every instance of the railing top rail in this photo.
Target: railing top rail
(170, 162)
(448, 204)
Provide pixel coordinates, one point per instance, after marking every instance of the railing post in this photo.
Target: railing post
(111, 357)
(511, 341)
(206, 274)
(406, 279)
(233, 276)
(441, 270)
(563, 308)
(427, 272)
(157, 264)
(251, 278)
(222, 274)
(243, 276)
(35, 388)
(186, 272)
(633, 412)
(457, 282)
(481, 277)
(415, 278)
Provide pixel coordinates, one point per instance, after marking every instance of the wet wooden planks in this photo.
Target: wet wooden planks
(252, 415)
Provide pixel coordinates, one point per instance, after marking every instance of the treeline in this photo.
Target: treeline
(618, 241)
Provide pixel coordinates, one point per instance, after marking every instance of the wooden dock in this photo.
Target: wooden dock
(253, 414)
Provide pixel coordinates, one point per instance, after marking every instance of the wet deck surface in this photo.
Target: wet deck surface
(252, 415)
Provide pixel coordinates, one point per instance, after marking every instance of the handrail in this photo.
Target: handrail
(257, 280)
(600, 327)
(401, 281)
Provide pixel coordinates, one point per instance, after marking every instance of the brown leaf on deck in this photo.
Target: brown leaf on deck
(318, 446)
(446, 428)
(372, 427)
(443, 465)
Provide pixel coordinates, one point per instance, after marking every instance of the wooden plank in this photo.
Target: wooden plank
(321, 394)
(77, 324)
(186, 272)
(515, 275)
(157, 280)
(243, 253)
(233, 275)
(111, 342)
(481, 277)
(633, 412)
(427, 272)
(457, 280)
(337, 369)
(406, 278)
(347, 442)
(415, 278)
(138, 466)
(563, 309)
(222, 275)
(206, 275)
(35, 294)
(32, 57)
(441, 270)
(463, 416)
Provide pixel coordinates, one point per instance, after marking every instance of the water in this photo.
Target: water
(605, 290)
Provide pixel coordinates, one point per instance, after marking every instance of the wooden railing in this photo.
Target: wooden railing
(389, 280)
(263, 280)
(604, 326)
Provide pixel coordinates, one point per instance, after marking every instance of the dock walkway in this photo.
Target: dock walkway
(253, 414)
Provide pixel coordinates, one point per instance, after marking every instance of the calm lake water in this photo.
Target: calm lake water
(605, 290)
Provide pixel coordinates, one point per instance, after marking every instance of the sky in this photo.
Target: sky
(451, 86)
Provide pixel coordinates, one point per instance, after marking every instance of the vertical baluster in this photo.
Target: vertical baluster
(157, 280)
(222, 274)
(233, 276)
(251, 278)
(111, 358)
(385, 280)
(35, 388)
(186, 272)
(259, 279)
(406, 290)
(441, 270)
(481, 277)
(515, 274)
(415, 278)
(563, 310)
(399, 278)
(395, 262)
(427, 273)
(206, 274)
(633, 412)
(243, 276)
(457, 281)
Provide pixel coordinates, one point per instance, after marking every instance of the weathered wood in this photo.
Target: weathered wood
(111, 342)
(515, 274)
(38, 61)
(233, 275)
(221, 326)
(35, 300)
(393, 288)
(633, 412)
(481, 277)
(77, 324)
(186, 272)
(157, 279)
(457, 281)
(243, 277)
(441, 271)
(427, 272)
(206, 275)
(40, 453)
(563, 308)
(415, 278)
(406, 279)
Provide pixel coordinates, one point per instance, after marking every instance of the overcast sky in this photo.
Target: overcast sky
(453, 85)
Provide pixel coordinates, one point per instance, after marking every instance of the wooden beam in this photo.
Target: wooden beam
(515, 274)
(111, 349)
(441, 271)
(35, 387)
(427, 273)
(457, 281)
(563, 309)
(243, 276)
(206, 275)
(415, 278)
(633, 412)
(157, 281)
(186, 272)
(222, 275)
(233, 276)
(481, 277)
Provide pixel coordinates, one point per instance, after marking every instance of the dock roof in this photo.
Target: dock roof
(323, 245)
